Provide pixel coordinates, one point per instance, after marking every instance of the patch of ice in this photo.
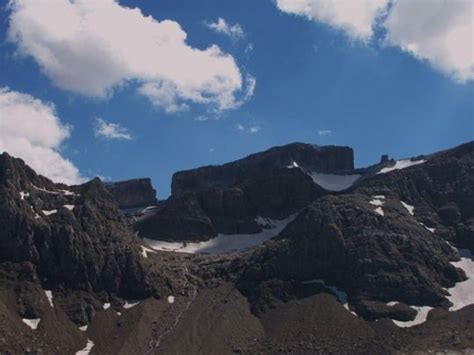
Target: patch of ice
(401, 164)
(421, 315)
(146, 250)
(340, 295)
(87, 349)
(392, 303)
(293, 165)
(171, 299)
(49, 213)
(462, 294)
(334, 182)
(69, 207)
(49, 296)
(224, 243)
(432, 230)
(409, 208)
(32, 323)
(106, 306)
(24, 194)
(83, 328)
(377, 200)
(130, 304)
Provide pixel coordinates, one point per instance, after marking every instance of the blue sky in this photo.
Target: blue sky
(315, 83)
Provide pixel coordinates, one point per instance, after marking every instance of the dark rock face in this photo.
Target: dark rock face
(327, 159)
(133, 193)
(73, 236)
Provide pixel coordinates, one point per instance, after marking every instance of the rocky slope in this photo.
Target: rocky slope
(308, 255)
(133, 193)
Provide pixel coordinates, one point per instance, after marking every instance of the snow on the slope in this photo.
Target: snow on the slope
(334, 182)
(49, 296)
(32, 323)
(131, 303)
(171, 299)
(87, 349)
(68, 193)
(69, 207)
(378, 202)
(422, 314)
(83, 328)
(225, 243)
(462, 294)
(293, 165)
(409, 208)
(49, 213)
(401, 164)
(106, 306)
(432, 230)
(146, 250)
(24, 194)
(392, 303)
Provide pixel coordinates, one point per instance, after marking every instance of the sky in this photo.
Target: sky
(140, 88)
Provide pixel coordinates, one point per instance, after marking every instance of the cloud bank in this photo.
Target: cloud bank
(95, 47)
(31, 130)
(440, 32)
(109, 130)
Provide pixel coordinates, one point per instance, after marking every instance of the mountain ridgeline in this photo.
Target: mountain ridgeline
(282, 251)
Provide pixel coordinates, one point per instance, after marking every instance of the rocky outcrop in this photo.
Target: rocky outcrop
(133, 193)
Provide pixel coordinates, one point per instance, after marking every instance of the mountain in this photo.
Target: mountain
(287, 250)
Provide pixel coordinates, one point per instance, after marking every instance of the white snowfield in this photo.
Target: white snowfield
(171, 299)
(83, 328)
(334, 182)
(401, 164)
(49, 296)
(49, 213)
(32, 323)
(106, 306)
(69, 207)
(409, 208)
(226, 243)
(420, 317)
(131, 303)
(87, 349)
(462, 294)
(378, 201)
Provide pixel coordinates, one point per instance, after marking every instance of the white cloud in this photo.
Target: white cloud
(355, 17)
(95, 47)
(31, 130)
(439, 31)
(109, 130)
(248, 129)
(222, 26)
(324, 132)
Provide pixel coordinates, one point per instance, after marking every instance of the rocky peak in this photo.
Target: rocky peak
(133, 193)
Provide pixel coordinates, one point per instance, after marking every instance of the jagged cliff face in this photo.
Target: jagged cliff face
(133, 193)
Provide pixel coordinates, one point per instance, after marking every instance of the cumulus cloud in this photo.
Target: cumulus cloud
(109, 130)
(324, 132)
(222, 26)
(31, 130)
(355, 17)
(94, 47)
(439, 31)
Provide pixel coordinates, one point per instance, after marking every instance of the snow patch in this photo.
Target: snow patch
(83, 328)
(462, 294)
(68, 193)
(106, 306)
(24, 194)
(401, 164)
(32, 323)
(130, 304)
(69, 207)
(171, 299)
(293, 165)
(225, 243)
(49, 213)
(409, 208)
(146, 250)
(334, 182)
(392, 303)
(377, 200)
(422, 314)
(119, 313)
(87, 349)
(49, 296)
(432, 230)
